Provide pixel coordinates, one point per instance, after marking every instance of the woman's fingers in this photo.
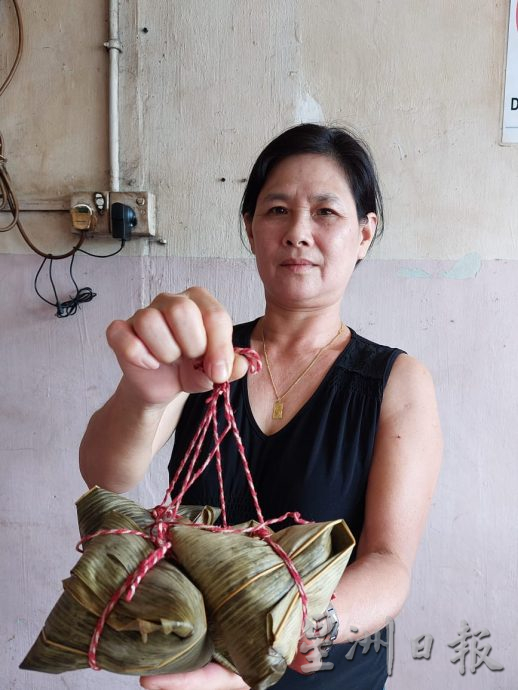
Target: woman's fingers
(128, 347)
(192, 325)
(201, 327)
(218, 358)
(152, 329)
(239, 367)
(184, 322)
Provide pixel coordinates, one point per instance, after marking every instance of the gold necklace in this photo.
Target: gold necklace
(278, 405)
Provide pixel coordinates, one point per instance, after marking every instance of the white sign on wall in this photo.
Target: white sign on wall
(510, 114)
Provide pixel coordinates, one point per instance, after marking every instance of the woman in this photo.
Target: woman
(334, 425)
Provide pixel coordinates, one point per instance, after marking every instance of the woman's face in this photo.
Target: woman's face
(305, 232)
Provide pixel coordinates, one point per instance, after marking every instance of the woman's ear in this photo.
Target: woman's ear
(247, 220)
(367, 231)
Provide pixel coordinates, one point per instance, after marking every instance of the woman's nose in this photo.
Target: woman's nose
(299, 233)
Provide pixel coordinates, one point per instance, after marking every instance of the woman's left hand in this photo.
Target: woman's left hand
(210, 677)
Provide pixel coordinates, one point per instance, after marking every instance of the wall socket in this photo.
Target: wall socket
(93, 208)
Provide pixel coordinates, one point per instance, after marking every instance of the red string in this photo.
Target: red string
(166, 514)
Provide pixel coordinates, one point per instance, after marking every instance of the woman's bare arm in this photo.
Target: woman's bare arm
(122, 438)
(402, 479)
(180, 344)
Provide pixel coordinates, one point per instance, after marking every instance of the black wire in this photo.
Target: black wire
(52, 304)
(53, 286)
(8, 199)
(86, 294)
(104, 256)
(71, 274)
(68, 307)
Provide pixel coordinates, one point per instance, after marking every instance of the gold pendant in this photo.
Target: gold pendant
(278, 408)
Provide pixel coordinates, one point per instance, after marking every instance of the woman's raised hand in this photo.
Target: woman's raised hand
(160, 348)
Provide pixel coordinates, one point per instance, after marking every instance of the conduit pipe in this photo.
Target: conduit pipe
(114, 48)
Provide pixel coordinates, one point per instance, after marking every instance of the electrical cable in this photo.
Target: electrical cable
(18, 57)
(68, 307)
(104, 256)
(5, 187)
(9, 202)
(7, 195)
(86, 294)
(8, 199)
(12, 202)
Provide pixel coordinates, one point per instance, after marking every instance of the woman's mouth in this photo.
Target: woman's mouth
(297, 262)
(298, 265)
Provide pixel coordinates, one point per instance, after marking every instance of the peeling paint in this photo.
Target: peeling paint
(402, 154)
(308, 109)
(466, 267)
(413, 273)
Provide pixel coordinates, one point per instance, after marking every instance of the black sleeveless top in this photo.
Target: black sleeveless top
(318, 464)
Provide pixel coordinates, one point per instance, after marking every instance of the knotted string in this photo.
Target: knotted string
(165, 515)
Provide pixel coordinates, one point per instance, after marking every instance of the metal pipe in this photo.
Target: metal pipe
(114, 48)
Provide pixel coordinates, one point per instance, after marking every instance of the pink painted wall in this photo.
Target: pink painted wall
(56, 372)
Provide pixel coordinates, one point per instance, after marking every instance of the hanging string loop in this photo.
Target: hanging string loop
(166, 514)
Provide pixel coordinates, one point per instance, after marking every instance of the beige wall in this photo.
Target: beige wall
(53, 116)
(211, 82)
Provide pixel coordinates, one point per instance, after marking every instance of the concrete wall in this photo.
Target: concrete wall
(204, 88)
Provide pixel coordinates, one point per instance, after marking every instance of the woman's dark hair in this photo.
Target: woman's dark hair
(337, 143)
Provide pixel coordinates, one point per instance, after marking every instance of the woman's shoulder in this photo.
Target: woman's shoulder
(408, 389)
(384, 361)
(410, 381)
(368, 358)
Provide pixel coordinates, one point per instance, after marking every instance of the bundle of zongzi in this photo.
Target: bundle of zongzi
(253, 604)
(162, 630)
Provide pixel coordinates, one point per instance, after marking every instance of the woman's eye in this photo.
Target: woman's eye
(325, 212)
(278, 211)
